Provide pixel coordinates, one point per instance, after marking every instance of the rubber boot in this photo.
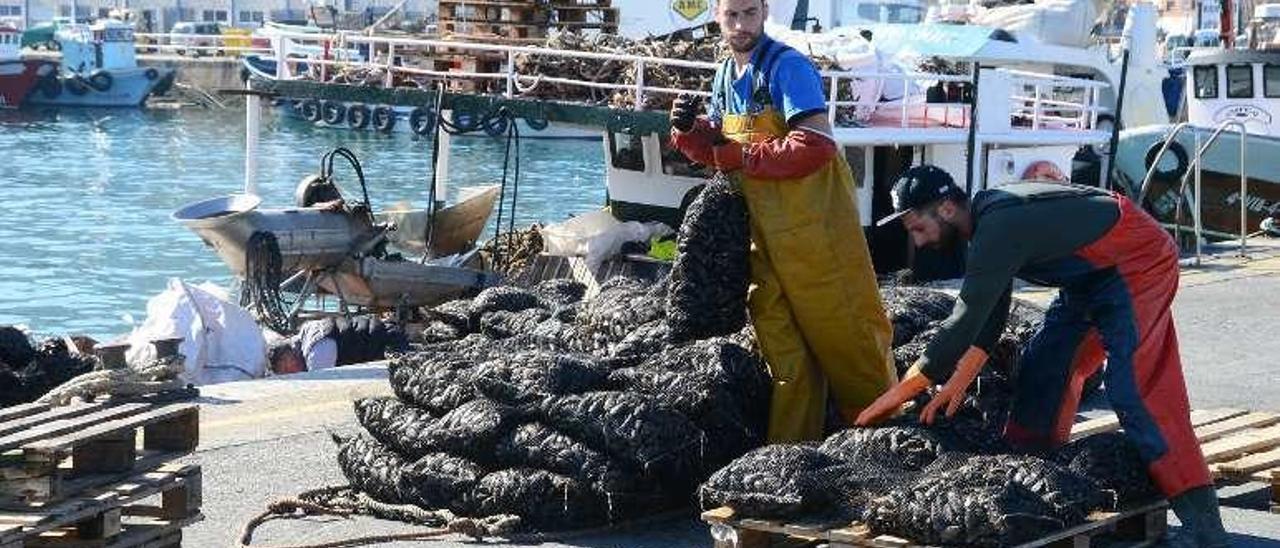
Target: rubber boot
(1201, 521)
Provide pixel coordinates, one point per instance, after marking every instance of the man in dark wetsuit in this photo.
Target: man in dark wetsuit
(1117, 271)
(329, 342)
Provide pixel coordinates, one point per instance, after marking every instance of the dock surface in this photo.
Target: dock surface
(268, 439)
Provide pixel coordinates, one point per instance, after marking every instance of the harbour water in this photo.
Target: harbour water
(86, 236)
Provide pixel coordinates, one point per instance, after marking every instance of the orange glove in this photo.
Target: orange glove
(888, 403)
(952, 393)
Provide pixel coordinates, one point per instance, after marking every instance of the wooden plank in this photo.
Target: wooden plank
(52, 447)
(93, 504)
(1203, 417)
(1100, 425)
(1247, 421)
(9, 426)
(1111, 423)
(1250, 463)
(1241, 443)
(19, 411)
(63, 427)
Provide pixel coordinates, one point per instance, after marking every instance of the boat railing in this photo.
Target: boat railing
(1036, 102)
(201, 43)
(1195, 168)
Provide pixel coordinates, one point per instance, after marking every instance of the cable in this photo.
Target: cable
(263, 274)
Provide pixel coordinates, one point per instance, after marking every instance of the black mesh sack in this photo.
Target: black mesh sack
(658, 442)
(709, 279)
(395, 424)
(1112, 462)
(543, 500)
(504, 297)
(774, 481)
(471, 430)
(531, 376)
(501, 324)
(434, 380)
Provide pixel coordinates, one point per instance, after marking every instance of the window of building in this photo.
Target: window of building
(15, 11)
(869, 11)
(103, 13)
(1240, 81)
(64, 11)
(1271, 80)
(1205, 79)
(214, 15)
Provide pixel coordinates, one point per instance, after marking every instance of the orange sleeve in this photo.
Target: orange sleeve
(798, 154)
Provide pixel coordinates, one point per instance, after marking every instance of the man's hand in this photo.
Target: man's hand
(952, 393)
(684, 112)
(888, 403)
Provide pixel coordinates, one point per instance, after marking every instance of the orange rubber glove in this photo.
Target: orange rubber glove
(890, 402)
(952, 393)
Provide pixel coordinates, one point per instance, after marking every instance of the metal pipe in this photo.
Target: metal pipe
(1146, 180)
(252, 126)
(1196, 218)
(1115, 126)
(639, 91)
(1244, 180)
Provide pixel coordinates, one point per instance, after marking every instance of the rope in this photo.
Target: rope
(262, 277)
(344, 502)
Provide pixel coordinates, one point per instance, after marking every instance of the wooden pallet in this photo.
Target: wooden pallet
(48, 455)
(119, 515)
(1142, 526)
(1239, 445)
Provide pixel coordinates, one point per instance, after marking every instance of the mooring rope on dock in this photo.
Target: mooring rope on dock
(342, 501)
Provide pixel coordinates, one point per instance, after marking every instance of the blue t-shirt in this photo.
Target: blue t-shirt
(794, 86)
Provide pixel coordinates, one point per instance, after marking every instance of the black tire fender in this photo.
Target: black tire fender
(1168, 175)
(101, 80)
(422, 121)
(310, 110)
(334, 112)
(384, 119)
(358, 116)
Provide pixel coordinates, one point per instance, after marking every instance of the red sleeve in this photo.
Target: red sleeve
(695, 144)
(796, 155)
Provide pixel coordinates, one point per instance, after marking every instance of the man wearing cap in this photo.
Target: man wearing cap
(814, 301)
(1117, 271)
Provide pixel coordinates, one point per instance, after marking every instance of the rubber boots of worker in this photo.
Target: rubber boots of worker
(1197, 509)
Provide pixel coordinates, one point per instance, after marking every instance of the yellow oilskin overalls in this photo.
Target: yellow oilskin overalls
(813, 300)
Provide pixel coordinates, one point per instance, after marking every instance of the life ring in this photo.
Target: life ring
(358, 116)
(1168, 175)
(76, 85)
(310, 110)
(151, 73)
(334, 112)
(384, 119)
(422, 121)
(51, 87)
(101, 80)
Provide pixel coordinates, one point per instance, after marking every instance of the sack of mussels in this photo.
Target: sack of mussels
(955, 482)
(567, 412)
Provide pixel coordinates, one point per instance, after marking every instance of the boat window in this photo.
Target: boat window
(675, 164)
(1271, 80)
(626, 151)
(1240, 81)
(1205, 79)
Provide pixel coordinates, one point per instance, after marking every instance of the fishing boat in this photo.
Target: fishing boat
(100, 69)
(17, 76)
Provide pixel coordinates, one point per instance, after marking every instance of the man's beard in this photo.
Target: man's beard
(748, 48)
(948, 237)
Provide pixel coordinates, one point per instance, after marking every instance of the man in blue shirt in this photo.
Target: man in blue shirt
(814, 301)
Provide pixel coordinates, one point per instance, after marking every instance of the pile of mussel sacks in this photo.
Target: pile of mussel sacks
(28, 371)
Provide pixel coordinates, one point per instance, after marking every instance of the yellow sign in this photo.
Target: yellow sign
(690, 9)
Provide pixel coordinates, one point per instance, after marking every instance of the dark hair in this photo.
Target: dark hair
(279, 350)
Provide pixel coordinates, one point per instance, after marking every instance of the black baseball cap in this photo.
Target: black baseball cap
(920, 186)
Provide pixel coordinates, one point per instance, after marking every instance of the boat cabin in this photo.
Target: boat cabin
(10, 43)
(105, 44)
(1240, 85)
